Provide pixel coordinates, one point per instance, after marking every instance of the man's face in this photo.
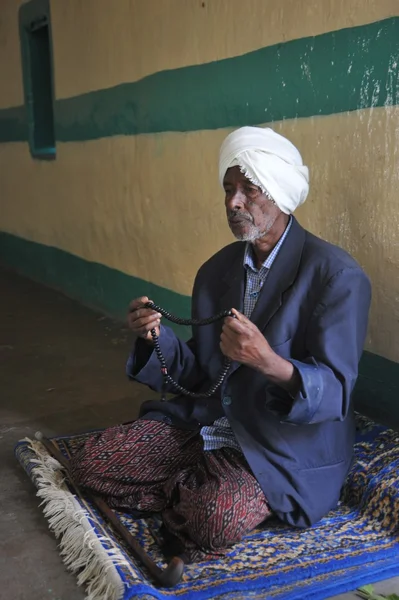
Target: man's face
(250, 212)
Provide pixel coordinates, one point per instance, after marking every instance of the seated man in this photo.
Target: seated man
(277, 437)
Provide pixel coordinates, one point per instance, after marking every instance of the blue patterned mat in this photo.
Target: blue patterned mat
(357, 543)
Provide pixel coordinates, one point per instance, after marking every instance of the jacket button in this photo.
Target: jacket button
(226, 400)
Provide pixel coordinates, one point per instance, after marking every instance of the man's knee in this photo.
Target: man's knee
(217, 528)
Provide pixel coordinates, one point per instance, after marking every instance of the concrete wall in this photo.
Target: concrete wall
(145, 93)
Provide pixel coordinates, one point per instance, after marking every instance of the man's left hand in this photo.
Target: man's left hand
(243, 342)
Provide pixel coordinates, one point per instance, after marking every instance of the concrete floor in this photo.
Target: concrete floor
(61, 371)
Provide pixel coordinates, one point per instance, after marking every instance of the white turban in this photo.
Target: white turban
(270, 161)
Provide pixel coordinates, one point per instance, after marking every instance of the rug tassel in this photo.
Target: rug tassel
(82, 551)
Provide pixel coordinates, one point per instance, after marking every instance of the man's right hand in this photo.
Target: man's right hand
(141, 320)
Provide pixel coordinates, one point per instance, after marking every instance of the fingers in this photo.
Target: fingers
(236, 333)
(239, 316)
(234, 326)
(238, 322)
(143, 314)
(224, 343)
(143, 325)
(142, 320)
(137, 310)
(223, 349)
(229, 339)
(138, 303)
(229, 335)
(229, 347)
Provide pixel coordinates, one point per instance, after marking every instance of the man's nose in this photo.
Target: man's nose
(235, 201)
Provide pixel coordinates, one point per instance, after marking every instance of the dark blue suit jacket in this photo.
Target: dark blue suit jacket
(313, 310)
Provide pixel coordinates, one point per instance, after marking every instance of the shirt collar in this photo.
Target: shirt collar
(250, 259)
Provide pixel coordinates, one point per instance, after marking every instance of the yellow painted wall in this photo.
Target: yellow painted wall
(145, 36)
(134, 204)
(11, 91)
(150, 205)
(100, 43)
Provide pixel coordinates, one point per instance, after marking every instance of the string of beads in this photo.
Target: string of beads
(168, 380)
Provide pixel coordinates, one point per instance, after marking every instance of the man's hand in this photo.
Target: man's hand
(141, 320)
(243, 342)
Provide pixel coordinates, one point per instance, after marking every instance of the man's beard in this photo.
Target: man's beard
(252, 232)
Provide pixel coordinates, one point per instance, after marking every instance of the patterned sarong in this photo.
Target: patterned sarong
(208, 500)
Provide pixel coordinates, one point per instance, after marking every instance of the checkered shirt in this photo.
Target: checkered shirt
(220, 434)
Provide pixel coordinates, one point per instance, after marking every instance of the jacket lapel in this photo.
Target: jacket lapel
(280, 277)
(232, 296)
(234, 280)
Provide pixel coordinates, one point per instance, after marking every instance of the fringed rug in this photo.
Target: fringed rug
(356, 544)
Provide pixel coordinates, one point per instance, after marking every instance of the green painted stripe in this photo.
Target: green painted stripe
(377, 389)
(13, 124)
(93, 284)
(110, 291)
(335, 72)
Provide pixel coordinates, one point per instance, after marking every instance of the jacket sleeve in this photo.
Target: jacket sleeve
(143, 365)
(334, 345)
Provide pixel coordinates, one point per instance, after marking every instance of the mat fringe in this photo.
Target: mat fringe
(85, 553)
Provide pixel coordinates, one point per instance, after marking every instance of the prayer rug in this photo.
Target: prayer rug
(355, 544)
